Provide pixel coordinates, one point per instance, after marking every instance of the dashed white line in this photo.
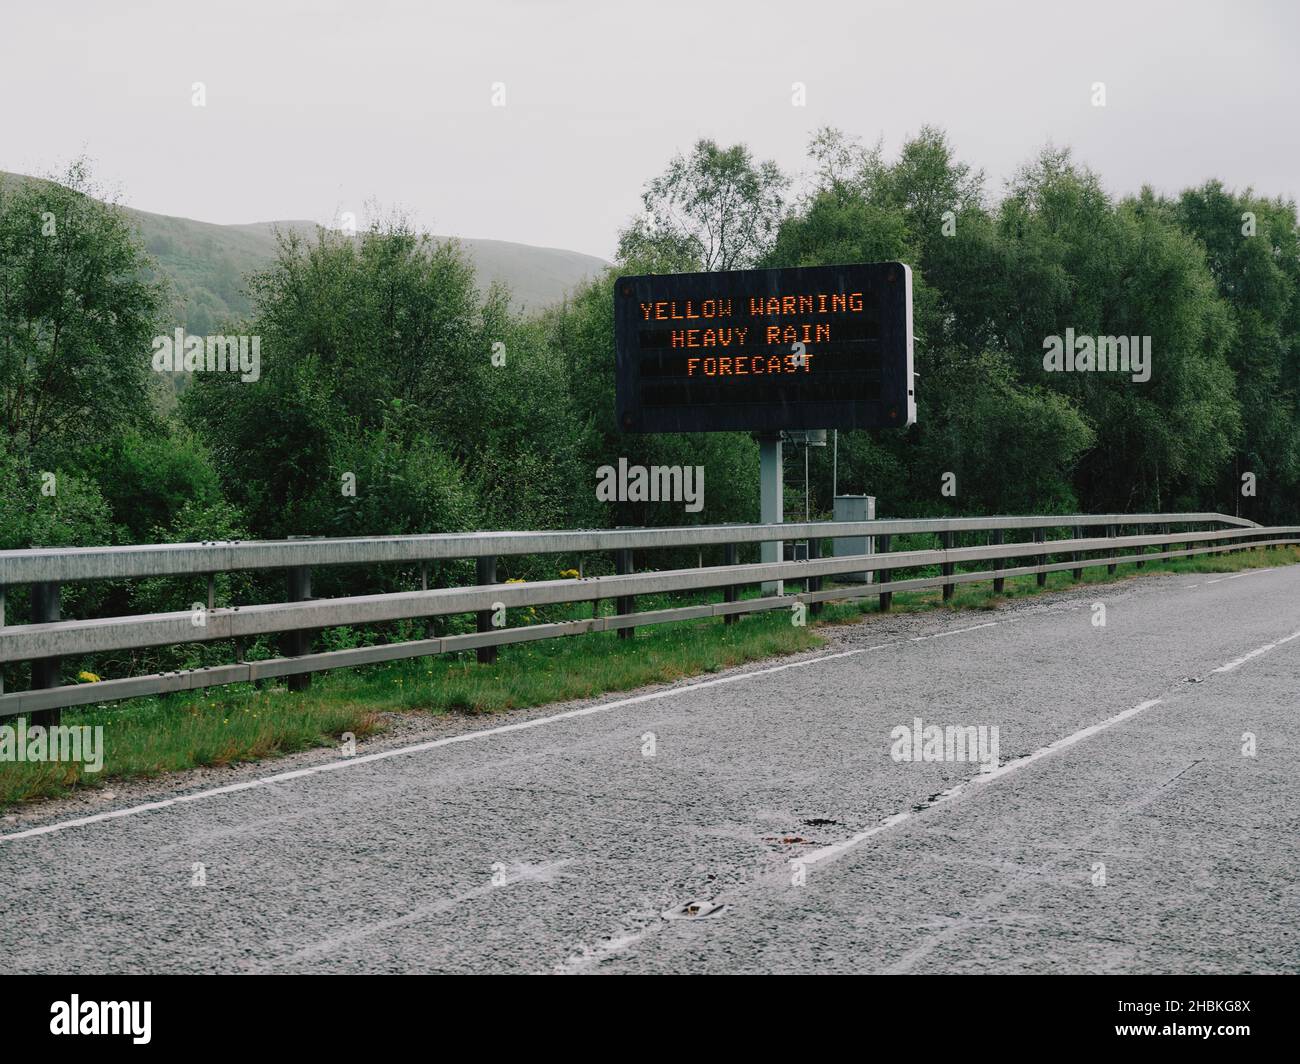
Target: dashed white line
(524, 873)
(838, 849)
(587, 957)
(1255, 653)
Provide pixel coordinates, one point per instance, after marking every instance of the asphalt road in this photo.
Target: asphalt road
(550, 842)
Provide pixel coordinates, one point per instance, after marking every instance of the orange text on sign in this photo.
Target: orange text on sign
(748, 365)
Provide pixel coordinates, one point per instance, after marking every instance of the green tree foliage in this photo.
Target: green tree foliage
(148, 480)
(384, 365)
(715, 209)
(1252, 249)
(77, 397)
(378, 337)
(990, 286)
(76, 316)
(393, 397)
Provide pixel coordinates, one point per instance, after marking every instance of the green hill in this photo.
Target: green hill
(207, 263)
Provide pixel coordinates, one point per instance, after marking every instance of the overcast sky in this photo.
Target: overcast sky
(316, 108)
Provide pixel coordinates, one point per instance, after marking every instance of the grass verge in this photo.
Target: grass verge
(149, 737)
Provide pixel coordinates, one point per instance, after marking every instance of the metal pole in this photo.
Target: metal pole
(730, 593)
(945, 541)
(297, 643)
(771, 503)
(835, 467)
(45, 672)
(815, 583)
(625, 603)
(886, 597)
(485, 568)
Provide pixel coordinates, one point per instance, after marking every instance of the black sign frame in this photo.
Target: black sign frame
(865, 353)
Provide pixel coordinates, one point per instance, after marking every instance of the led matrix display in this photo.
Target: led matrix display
(763, 350)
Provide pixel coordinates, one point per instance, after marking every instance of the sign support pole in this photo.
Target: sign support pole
(835, 467)
(771, 502)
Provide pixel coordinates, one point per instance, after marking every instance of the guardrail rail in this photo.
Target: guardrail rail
(47, 639)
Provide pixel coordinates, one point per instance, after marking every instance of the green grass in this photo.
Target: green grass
(149, 737)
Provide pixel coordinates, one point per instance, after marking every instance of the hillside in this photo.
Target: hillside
(206, 263)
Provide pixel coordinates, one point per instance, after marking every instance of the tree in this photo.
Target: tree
(352, 333)
(715, 209)
(1077, 260)
(76, 316)
(1252, 248)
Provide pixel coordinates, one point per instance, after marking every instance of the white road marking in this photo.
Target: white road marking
(434, 744)
(955, 631)
(584, 958)
(524, 873)
(1255, 653)
(1238, 576)
(838, 849)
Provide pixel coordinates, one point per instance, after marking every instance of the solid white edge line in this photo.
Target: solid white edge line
(433, 744)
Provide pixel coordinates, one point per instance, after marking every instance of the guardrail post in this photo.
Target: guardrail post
(2, 624)
(814, 583)
(1110, 534)
(1040, 536)
(485, 569)
(45, 671)
(296, 644)
(945, 568)
(730, 593)
(886, 597)
(1077, 556)
(625, 603)
(999, 582)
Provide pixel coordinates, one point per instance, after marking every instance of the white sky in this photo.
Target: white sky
(316, 108)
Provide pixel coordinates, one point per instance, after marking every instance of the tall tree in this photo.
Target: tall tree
(715, 209)
(76, 315)
(1252, 248)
